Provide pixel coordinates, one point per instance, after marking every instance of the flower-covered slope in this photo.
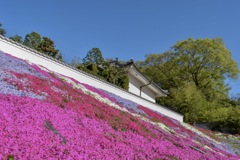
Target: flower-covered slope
(44, 115)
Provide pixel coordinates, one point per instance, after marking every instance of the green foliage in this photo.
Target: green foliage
(17, 38)
(88, 70)
(95, 64)
(47, 46)
(235, 100)
(219, 114)
(205, 62)
(92, 61)
(94, 56)
(226, 119)
(194, 72)
(114, 74)
(35, 41)
(124, 82)
(32, 40)
(233, 121)
(10, 157)
(189, 101)
(2, 31)
(42, 44)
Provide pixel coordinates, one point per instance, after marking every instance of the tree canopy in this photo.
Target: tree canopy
(42, 44)
(35, 41)
(47, 46)
(95, 64)
(114, 74)
(190, 68)
(32, 40)
(94, 56)
(17, 38)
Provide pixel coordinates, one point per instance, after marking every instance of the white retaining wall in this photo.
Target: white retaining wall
(23, 52)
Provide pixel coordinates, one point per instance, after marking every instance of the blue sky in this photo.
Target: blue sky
(125, 29)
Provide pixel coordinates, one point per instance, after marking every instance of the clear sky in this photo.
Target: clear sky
(125, 28)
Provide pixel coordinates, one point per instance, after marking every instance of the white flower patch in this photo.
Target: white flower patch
(166, 128)
(188, 126)
(159, 124)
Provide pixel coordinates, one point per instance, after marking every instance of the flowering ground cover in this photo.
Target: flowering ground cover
(44, 115)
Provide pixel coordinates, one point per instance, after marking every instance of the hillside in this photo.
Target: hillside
(44, 115)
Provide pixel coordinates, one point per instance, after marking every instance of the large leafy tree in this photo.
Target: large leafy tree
(2, 31)
(203, 63)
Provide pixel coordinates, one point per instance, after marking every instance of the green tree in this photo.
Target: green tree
(2, 31)
(189, 101)
(233, 121)
(203, 63)
(94, 56)
(95, 64)
(17, 38)
(114, 74)
(236, 100)
(47, 46)
(42, 44)
(32, 40)
(92, 62)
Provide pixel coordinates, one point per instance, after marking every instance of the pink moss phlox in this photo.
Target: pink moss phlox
(92, 129)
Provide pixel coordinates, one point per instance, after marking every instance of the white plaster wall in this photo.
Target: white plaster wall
(134, 87)
(148, 94)
(25, 53)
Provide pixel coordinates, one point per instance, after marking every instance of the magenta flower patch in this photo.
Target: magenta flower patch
(42, 116)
